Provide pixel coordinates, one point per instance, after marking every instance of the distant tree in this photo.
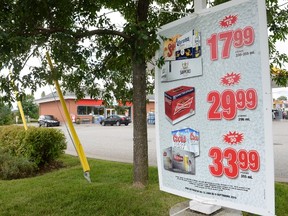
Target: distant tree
(282, 98)
(5, 114)
(29, 107)
(43, 94)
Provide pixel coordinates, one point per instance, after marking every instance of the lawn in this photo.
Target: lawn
(66, 192)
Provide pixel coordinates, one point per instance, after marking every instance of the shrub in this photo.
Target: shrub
(5, 114)
(40, 146)
(12, 167)
(11, 140)
(44, 145)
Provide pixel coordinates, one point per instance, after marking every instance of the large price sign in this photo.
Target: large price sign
(239, 38)
(214, 123)
(236, 161)
(229, 102)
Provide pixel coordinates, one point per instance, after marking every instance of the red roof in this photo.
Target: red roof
(89, 102)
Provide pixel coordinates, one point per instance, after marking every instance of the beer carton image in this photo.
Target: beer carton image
(186, 139)
(188, 45)
(183, 161)
(178, 160)
(169, 48)
(179, 103)
(182, 57)
(181, 69)
(167, 158)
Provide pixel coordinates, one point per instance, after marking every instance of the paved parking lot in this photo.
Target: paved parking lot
(110, 142)
(116, 144)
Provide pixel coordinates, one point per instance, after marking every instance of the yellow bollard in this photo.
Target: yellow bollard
(77, 143)
(19, 104)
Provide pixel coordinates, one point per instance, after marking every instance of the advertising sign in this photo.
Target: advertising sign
(213, 107)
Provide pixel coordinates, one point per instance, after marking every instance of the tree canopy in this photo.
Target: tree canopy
(29, 106)
(89, 48)
(83, 41)
(282, 98)
(5, 114)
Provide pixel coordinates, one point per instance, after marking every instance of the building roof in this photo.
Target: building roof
(70, 95)
(54, 96)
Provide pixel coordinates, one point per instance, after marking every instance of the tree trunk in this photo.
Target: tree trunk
(140, 145)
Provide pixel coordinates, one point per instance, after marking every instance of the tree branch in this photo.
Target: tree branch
(102, 32)
(76, 35)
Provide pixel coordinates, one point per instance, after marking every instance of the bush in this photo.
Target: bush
(5, 114)
(11, 140)
(12, 167)
(22, 150)
(44, 145)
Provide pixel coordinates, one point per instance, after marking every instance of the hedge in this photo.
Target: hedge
(35, 147)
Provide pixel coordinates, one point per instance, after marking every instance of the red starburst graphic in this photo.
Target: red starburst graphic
(228, 21)
(233, 138)
(230, 79)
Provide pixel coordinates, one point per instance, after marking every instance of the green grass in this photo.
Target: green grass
(66, 192)
(281, 191)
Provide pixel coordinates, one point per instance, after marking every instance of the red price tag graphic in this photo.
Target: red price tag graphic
(229, 161)
(225, 104)
(239, 38)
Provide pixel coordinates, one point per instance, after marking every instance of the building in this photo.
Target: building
(84, 110)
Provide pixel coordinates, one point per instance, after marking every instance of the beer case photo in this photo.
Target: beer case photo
(178, 160)
(187, 139)
(179, 103)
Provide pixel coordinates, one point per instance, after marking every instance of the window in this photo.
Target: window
(81, 110)
(90, 110)
(99, 110)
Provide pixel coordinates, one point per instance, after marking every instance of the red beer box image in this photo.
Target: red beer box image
(179, 103)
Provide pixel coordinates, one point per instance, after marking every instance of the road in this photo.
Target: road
(116, 144)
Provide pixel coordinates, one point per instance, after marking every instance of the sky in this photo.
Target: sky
(277, 92)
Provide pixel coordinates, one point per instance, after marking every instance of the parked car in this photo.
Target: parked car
(116, 119)
(48, 121)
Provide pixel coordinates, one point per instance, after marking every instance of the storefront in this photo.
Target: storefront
(85, 110)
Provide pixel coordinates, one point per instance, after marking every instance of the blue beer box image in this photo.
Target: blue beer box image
(188, 45)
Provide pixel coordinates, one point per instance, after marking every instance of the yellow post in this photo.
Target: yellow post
(19, 104)
(22, 114)
(77, 143)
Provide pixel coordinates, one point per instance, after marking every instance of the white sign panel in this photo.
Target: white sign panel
(213, 97)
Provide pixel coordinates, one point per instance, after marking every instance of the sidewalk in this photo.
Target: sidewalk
(280, 143)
